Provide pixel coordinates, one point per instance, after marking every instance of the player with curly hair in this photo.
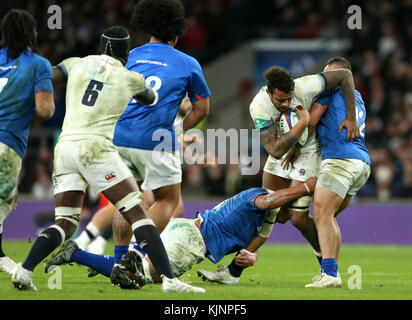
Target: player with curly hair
(26, 90)
(280, 94)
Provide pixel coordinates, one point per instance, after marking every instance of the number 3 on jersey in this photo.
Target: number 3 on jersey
(92, 92)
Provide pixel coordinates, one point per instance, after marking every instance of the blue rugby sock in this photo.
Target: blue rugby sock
(330, 267)
(137, 247)
(119, 251)
(103, 264)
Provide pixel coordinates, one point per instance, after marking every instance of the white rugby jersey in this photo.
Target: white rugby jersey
(306, 88)
(99, 89)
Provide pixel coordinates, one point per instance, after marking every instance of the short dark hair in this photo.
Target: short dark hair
(340, 61)
(115, 42)
(163, 19)
(279, 78)
(18, 29)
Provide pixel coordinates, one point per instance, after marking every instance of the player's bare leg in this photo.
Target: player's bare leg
(122, 231)
(167, 199)
(178, 212)
(301, 220)
(101, 220)
(326, 204)
(305, 224)
(343, 206)
(272, 182)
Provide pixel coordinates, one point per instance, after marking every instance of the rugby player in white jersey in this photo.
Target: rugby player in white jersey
(281, 93)
(99, 88)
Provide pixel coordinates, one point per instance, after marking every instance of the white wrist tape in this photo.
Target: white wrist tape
(307, 188)
(248, 252)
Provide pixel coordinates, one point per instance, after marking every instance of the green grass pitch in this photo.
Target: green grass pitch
(281, 272)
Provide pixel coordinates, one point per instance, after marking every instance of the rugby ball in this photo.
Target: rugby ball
(287, 121)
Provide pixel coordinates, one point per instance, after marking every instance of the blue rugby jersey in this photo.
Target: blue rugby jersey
(232, 224)
(332, 144)
(171, 73)
(20, 80)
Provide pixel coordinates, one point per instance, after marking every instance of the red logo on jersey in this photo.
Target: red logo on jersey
(110, 176)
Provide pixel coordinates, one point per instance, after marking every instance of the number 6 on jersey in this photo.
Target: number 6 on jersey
(92, 92)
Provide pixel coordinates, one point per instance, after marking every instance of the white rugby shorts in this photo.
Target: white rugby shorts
(343, 176)
(93, 162)
(306, 165)
(155, 168)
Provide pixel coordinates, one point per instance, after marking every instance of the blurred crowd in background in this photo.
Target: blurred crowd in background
(380, 54)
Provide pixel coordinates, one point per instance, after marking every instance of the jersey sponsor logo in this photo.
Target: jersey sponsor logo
(159, 63)
(302, 172)
(261, 123)
(8, 67)
(110, 176)
(143, 244)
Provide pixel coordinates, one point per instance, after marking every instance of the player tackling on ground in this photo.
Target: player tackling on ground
(99, 88)
(227, 228)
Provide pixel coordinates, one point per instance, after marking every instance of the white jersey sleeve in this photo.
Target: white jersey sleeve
(137, 83)
(306, 88)
(262, 110)
(66, 65)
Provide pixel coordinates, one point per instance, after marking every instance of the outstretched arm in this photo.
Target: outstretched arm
(344, 79)
(248, 256)
(281, 197)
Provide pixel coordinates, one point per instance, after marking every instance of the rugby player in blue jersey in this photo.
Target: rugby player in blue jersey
(25, 91)
(232, 226)
(344, 169)
(145, 134)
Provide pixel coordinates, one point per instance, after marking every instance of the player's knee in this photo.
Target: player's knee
(129, 202)
(170, 204)
(299, 218)
(68, 219)
(322, 215)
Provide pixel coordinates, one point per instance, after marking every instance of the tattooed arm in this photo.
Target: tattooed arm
(278, 146)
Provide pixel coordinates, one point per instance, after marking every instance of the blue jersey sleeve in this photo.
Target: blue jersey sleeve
(43, 77)
(324, 98)
(198, 89)
(324, 101)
